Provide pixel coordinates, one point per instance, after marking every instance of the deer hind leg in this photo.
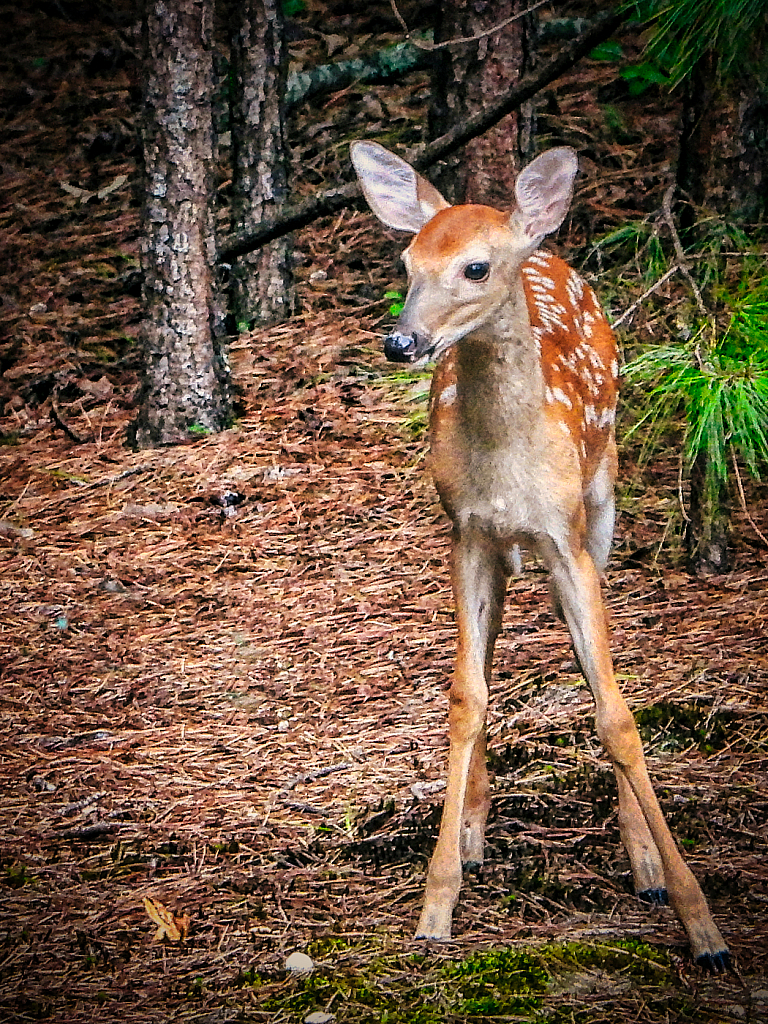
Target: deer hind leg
(647, 866)
(578, 586)
(600, 508)
(478, 584)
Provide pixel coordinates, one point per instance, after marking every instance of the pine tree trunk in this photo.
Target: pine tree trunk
(723, 161)
(707, 528)
(262, 285)
(722, 169)
(469, 76)
(185, 381)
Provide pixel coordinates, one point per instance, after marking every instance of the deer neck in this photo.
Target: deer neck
(499, 381)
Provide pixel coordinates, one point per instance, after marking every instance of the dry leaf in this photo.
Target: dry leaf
(169, 926)
(113, 186)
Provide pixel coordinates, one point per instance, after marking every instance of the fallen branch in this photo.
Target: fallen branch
(326, 203)
(384, 66)
(296, 805)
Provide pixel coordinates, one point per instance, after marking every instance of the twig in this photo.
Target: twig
(63, 425)
(80, 805)
(666, 208)
(680, 498)
(313, 776)
(421, 45)
(296, 805)
(400, 18)
(638, 302)
(743, 500)
(682, 261)
(88, 832)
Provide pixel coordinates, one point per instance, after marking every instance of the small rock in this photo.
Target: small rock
(318, 1017)
(299, 963)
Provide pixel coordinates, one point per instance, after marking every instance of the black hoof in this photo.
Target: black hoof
(472, 866)
(656, 897)
(715, 963)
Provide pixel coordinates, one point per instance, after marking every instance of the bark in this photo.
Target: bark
(185, 379)
(707, 528)
(723, 162)
(262, 283)
(469, 77)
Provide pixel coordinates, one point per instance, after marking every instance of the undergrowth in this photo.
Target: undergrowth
(524, 984)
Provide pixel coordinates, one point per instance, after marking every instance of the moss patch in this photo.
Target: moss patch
(522, 983)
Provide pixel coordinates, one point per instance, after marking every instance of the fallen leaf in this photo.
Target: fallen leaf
(169, 926)
(113, 186)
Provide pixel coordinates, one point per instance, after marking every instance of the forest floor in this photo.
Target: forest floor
(235, 716)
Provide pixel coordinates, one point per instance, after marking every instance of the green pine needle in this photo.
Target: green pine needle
(724, 392)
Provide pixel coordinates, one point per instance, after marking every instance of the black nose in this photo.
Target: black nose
(400, 348)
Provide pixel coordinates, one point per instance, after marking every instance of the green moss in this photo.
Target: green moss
(499, 981)
(16, 876)
(678, 725)
(363, 984)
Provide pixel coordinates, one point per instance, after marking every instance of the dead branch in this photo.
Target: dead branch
(638, 302)
(329, 202)
(465, 39)
(81, 805)
(682, 260)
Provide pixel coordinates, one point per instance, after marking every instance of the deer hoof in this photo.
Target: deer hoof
(656, 897)
(715, 963)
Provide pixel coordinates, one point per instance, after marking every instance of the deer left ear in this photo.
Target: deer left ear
(543, 191)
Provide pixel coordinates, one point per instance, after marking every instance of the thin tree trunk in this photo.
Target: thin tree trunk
(470, 76)
(707, 529)
(262, 283)
(185, 382)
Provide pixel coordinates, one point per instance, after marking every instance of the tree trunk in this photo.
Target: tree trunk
(469, 76)
(723, 169)
(723, 161)
(262, 283)
(185, 382)
(707, 528)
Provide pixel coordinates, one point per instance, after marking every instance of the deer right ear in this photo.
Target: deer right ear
(398, 196)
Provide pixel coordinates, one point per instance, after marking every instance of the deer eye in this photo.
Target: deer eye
(477, 271)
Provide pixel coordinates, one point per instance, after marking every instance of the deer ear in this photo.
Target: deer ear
(398, 196)
(543, 191)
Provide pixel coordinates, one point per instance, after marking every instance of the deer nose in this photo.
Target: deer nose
(400, 348)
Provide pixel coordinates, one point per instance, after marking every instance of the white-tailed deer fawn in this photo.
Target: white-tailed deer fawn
(522, 414)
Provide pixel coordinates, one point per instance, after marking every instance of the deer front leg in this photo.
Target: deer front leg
(578, 587)
(478, 586)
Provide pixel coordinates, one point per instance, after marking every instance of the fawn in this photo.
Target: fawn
(523, 454)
